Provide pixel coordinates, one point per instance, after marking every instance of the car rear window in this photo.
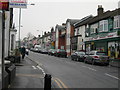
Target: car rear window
(100, 53)
(81, 53)
(62, 50)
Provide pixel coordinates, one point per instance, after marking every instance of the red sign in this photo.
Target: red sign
(4, 4)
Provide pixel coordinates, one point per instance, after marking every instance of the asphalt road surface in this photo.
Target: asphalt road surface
(71, 74)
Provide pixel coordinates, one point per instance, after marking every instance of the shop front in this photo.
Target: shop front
(114, 49)
(110, 46)
(108, 43)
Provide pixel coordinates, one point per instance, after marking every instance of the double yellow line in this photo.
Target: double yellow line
(60, 83)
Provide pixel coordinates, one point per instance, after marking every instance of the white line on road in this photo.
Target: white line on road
(112, 76)
(89, 68)
(41, 69)
(34, 67)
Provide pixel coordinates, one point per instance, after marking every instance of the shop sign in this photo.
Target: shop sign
(4, 4)
(98, 37)
(18, 3)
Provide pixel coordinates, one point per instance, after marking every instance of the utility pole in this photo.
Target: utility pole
(19, 26)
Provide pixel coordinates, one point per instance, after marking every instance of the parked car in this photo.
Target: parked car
(78, 56)
(44, 51)
(94, 57)
(51, 51)
(60, 53)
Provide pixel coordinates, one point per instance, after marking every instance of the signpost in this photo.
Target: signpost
(18, 4)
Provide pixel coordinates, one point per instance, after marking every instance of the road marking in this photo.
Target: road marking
(89, 68)
(31, 75)
(34, 67)
(112, 76)
(58, 84)
(41, 70)
(64, 86)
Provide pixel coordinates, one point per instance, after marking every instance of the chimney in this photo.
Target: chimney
(63, 24)
(52, 29)
(44, 33)
(38, 35)
(100, 10)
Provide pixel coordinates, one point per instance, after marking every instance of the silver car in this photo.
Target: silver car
(94, 57)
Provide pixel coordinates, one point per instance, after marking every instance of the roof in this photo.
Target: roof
(72, 21)
(60, 27)
(83, 21)
(105, 15)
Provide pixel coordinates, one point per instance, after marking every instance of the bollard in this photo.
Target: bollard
(47, 83)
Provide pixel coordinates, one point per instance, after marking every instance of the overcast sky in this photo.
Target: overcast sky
(47, 13)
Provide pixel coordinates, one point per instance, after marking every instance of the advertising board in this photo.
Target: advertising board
(18, 3)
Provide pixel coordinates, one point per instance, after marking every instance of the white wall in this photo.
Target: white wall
(68, 37)
(56, 37)
(7, 23)
(81, 32)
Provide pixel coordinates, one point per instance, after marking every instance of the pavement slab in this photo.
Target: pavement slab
(28, 75)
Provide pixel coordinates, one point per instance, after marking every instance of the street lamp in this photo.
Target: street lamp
(20, 23)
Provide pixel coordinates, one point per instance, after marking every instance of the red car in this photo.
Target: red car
(61, 53)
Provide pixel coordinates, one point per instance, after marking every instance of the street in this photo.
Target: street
(71, 74)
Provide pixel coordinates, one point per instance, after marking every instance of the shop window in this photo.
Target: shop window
(114, 49)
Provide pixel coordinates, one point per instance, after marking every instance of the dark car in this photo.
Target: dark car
(51, 51)
(94, 57)
(78, 56)
(60, 53)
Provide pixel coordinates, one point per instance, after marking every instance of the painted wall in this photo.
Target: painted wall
(68, 29)
(56, 36)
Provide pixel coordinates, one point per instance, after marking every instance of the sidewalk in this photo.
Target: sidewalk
(28, 75)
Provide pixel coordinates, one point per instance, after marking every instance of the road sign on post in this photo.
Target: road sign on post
(18, 3)
(4, 5)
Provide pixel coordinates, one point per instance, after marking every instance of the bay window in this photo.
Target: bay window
(103, 26)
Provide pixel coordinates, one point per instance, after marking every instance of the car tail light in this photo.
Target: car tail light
(96, 57)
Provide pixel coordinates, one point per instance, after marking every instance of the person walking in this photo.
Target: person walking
(23, 52)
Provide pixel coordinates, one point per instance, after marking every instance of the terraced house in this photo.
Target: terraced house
(104, 33)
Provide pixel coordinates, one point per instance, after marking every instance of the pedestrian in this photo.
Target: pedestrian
(23, 52)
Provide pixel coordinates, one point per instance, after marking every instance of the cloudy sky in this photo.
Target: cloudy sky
(47, 13)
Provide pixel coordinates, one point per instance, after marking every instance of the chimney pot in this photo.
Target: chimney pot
(100, 10)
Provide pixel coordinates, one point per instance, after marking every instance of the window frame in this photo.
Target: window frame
(116, 22)
(102, 25)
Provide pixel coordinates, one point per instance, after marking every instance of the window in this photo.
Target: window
(103, 26)
(12, 41)
(93, 28)
(117, 22)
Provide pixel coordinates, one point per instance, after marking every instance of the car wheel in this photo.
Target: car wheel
(85, 61)
(77, 59)
(93, 62)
